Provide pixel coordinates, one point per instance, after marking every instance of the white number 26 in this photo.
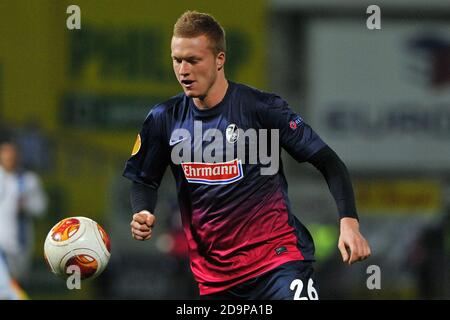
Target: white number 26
(297, 285)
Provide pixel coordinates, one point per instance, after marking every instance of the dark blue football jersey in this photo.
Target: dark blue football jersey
(236, 216)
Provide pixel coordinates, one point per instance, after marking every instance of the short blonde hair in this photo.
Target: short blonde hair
(193, 24)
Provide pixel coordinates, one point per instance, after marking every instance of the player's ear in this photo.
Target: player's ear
(220, 60)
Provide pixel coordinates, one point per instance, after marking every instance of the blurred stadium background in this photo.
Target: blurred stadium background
(75, 100)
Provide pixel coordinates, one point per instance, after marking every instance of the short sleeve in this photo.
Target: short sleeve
(296, 136)
(150, 155)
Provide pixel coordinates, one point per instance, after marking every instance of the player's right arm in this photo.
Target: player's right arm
(145, 168)
(143, 202)
(142, 225)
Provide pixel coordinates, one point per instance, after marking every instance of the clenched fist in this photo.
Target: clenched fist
(142, 225)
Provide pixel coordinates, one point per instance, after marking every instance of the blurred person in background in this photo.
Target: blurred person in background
(22, 198)
(6, 283)
(244, 241)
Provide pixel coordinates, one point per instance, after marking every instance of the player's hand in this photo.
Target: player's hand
(142, 225)
(352, 244)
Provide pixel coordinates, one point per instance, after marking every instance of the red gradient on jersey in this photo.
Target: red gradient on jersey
(87, 264)
(105, 238)
(241, 244)
(65, 229)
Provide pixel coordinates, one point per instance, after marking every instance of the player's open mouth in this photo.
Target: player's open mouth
(187, 83)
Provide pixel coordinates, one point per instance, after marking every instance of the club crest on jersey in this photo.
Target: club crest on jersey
(232, 133)
(213, 173)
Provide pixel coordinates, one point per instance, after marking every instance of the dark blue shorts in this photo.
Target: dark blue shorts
(291, 281)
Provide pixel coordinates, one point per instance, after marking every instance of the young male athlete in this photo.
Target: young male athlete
(244, 241)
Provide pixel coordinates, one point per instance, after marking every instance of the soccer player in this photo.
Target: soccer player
(244, 241)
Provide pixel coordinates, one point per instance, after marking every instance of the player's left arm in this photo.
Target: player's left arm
(303, 144)
(352, 245)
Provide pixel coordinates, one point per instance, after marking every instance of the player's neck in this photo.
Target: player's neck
(215, 94)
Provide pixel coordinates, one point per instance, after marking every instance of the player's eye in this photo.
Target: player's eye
(177, 60)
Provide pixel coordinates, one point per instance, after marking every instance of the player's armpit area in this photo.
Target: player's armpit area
(142, 197)
(338, 179)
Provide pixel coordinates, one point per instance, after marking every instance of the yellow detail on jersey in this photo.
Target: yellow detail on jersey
(137, 145)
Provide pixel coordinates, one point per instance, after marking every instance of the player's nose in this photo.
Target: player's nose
(184, 69)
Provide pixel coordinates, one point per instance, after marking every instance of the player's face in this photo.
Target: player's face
(195, 65)
(8, 157)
